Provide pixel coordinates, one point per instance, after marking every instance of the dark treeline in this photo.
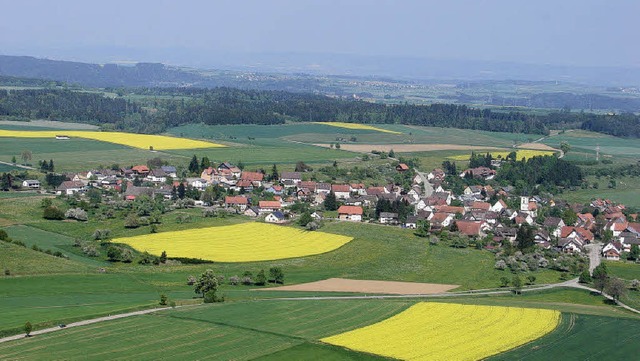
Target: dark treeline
(65, 105)
(546, 172)
(156, 109)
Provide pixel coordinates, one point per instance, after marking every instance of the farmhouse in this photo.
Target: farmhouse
(294, 177)
(350, 213)
(269, 206)
(275, 217)
(31, 183)
(342, 191)
(402, 167)
(70, 187)
(238, 202)
(388, 218)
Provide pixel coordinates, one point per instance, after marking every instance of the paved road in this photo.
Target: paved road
(594, 255)
(85, 322)
(17, 165)
(428, 188)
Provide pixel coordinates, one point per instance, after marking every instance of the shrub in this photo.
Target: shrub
(191, 280)
(247, 281)
(234, 280)
(114, 253)
(53, 213)
(3, 235)
(211, 296)
(635, 284)
(261, 279)
(585, 277)
(501, 265)
(276, 275)
(132, 221)
(163, 300)
(126, 255)
(77, 213)
(7, 272)
(146, 259)
(504, 282)
(90, 250)
(101, 234)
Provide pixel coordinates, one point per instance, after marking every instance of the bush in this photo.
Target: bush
(234, 280)
(132, 221)
(504, 282)
(114, 253)
(77, 213)
(585, 277)
(191, 280)
(146, 259)
(163, 300)
(276, 275)
(90, 250)
(261, 279)
(101, 234)
(247, 281)
(211, 296)
(3, 235)
(53, 213)
(501, 265)
(7, 272)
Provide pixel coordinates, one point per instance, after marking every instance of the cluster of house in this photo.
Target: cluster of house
(625, 234)
(473, 215)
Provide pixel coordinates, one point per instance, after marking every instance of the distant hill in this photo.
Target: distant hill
(94, 75)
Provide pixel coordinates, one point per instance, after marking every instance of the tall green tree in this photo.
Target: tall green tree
(194, 166)
(330, 202)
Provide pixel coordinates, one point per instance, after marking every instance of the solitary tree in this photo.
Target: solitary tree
(26, 156)
(206, 282)
(565, 147)
(276, 275)
(516, 282)
(616, 288)
(27, 329)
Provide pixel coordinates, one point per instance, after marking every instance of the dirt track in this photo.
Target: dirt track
(536, 146)
(408, 148)
(360, 286)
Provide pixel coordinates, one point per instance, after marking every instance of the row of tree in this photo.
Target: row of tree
(161, 108)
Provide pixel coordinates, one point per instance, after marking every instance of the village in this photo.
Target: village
(478, 212)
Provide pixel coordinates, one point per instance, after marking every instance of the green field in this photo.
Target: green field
(279, 330)
(627, 192)
(582, 337)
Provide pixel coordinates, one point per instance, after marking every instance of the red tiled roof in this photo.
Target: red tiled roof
(481, 205)
(469, 228)
(269, 204)
(235, 200)
(340, 188)
(350, 210)
(140, 169)
(402, 166)
(252, 176)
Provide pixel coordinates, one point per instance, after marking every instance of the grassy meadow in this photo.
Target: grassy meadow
(278, 330)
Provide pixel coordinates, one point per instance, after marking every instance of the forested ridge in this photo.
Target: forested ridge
(156, 109)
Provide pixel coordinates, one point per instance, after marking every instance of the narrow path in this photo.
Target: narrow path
(17, 165)
(85, 322)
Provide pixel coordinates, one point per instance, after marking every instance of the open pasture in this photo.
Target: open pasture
(442, 331)
(245, 242)
(140, 141)
(582, 337)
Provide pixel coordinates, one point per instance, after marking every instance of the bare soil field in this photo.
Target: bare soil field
(408, 148)
(361, 286)
(536, 146)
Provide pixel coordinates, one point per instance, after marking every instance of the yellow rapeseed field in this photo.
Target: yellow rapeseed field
(357, 126)
(445, 331)
(244, 242)
(142, 141)
(521, 153)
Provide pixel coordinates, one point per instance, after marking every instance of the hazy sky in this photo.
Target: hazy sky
(571, 32)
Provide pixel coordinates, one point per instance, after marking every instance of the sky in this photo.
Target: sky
(559, 32)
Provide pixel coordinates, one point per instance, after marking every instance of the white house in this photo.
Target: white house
(350, 213)
(275, 217)
(31, 183)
